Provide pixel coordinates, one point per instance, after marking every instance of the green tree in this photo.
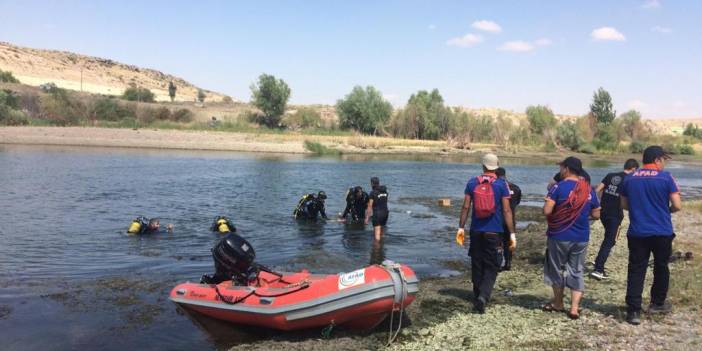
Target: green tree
(631, 124)
(693, 131)
(424, 117)
(363, 110)
(270, 95)
(7, 77)
(568, 136)
(201, 95)
(541, 119)
(134, 93)
(172, 90)
(602, 107)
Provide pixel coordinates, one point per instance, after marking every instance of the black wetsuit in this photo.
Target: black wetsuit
(356, 206)
(515, 199)
(379, 195)
(311, 208)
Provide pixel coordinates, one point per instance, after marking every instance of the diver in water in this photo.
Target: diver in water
(142, 225)
(222, 225)
(310, 207)
(378, 208)
(356, 203)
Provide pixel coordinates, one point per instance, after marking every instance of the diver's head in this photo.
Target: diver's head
(154, 224)
(358, 191)
(322, 195)
(375, 182)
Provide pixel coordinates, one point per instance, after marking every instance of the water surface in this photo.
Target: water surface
(70, 277)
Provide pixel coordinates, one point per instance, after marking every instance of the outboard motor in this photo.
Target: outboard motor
(234, 260)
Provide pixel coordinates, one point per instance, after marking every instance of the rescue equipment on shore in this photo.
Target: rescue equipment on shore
(360, 299)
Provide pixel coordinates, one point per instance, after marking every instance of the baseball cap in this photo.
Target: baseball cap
(491, 162)
(654, 152)
(573, 163)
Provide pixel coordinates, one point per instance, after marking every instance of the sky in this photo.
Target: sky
(497, 54)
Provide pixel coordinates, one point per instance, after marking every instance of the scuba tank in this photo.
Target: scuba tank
(299, 212)
(223, 225)
(138, 225)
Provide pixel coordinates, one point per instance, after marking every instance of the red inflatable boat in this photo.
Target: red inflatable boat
(359, 299)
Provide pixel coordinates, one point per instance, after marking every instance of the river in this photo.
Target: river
(71, 278)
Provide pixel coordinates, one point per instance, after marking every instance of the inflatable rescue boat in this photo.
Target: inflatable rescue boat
(360, 299)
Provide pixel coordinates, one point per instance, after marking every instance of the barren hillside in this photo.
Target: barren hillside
(101, 76)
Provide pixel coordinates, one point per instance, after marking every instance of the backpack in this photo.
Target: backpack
(484, 198)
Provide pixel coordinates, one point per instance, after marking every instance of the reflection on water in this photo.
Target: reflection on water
(70, 278)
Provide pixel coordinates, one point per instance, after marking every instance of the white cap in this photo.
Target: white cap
(491, 162)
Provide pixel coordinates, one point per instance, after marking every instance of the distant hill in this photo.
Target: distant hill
(99, 75)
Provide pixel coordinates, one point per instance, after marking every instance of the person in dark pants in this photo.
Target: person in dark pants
(377, 210)
(650, 194)
(612, 214)
(489, 198)
(515, 198)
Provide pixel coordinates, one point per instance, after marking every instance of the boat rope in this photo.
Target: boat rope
(392, 334)
(565, 214)
(231, 300)
(326, 332)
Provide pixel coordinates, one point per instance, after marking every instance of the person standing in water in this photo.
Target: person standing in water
(377, 209)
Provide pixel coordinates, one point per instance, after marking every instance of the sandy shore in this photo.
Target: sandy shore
(149, 138)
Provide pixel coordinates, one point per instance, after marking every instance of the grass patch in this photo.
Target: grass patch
(320, 150)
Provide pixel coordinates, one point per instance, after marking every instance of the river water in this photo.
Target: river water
(71, 278)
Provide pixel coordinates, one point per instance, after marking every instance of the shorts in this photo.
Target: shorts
(379, 218)
(565, 264)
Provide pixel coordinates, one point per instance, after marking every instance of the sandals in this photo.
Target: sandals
(550, 308)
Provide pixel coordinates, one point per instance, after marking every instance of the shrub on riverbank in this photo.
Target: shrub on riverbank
(319, 149)
(7, 77)
(134, 93)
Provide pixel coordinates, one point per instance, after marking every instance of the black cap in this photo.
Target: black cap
(574, 164)
(654, 152)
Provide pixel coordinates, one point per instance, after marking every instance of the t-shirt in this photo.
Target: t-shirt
(379, 195)
(579, 231)
(611, 206)
(494, 223)
(648, 193)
